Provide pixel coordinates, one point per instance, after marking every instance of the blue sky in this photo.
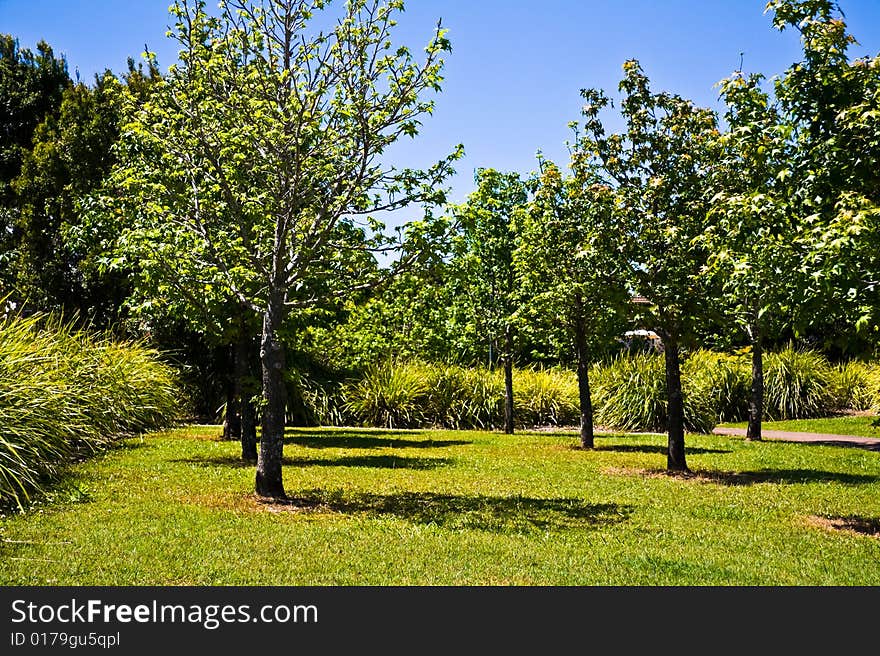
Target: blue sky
(513, 77)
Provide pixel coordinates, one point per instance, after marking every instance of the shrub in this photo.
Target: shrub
(65, 393)
(393, 395)
(858, 386)
(418, 394)
(546, 397)
(799, 385)
(872, 385)
(628, 393)
(464, 397)
(312, 403)
(725, 378)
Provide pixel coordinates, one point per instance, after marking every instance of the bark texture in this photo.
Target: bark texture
(756, 396)
(269, 481)
(675, 457)
(583, 376)
(508, 381)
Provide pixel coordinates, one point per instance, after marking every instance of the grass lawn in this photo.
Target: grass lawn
(460, 508)
(848, 425)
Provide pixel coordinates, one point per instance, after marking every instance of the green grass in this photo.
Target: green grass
(849, 425)
(453, 508)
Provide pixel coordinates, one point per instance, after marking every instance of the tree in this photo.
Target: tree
(752, 241)
(70, 156)
(569, 261)
(660, 169)
(833, 104)
(256, 151)
(31, 86)
(489, 235)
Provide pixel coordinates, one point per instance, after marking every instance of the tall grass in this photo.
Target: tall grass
(858, 385)
(628, 393)
(546, 397)
(65, 394)
(393, 396)
(725, 378)
(418, 394)
(799, 385)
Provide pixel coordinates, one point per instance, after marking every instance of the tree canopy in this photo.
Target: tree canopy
(248, 166)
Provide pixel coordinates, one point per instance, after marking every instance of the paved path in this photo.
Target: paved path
(870, 443)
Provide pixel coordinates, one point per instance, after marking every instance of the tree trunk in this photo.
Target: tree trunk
(231, 419)
(583, 375)
(233, 412)
(248, 431)
(269, 481)
(508, 380)
(675, 458)
(245, 387)
(756, 398)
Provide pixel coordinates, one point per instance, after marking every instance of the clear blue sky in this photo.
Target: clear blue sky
(513, 77)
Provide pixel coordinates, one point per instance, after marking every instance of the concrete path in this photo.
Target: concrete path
(870, 443)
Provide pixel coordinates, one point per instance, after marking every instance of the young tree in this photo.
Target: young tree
(265, 140)
(660, 168)
(569, 261)
(489, 233)
(752, 241)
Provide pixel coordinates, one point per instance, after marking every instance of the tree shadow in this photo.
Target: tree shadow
(216, 461)
(377, 462)
(514, 514)
(365, 439)
(654, 448)
(357, 430)
(853, 523)
(849, 444)
(786, 476)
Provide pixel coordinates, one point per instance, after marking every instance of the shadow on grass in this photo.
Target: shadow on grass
(377, 462)
(63, 487)
(850, 444)
(496, 514)
(653, 448)
(365, 439)
(787, 476)
(853, 523)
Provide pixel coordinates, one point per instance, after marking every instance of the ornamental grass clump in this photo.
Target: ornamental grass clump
(725, 378)
(629, 393)
(420, 395)
(389, 395)
(799, 385)
(463, 397)
(65, 394)
(872, 384)
(546, 397)
(858, 385)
